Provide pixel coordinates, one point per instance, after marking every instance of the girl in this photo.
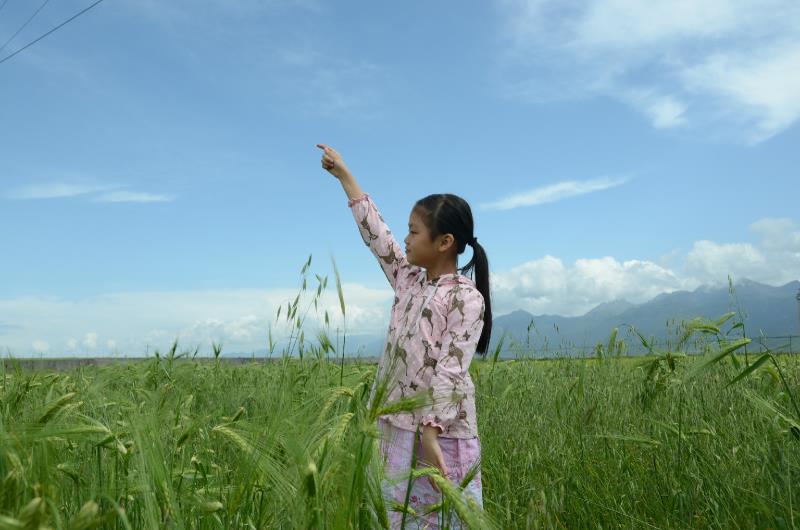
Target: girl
(439, 319)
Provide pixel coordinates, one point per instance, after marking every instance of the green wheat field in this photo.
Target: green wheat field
(662, 441)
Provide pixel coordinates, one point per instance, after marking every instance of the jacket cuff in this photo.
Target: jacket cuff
(433, 421)
(351, 202)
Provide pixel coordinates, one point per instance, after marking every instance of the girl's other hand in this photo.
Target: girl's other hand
(432, 452)
(332, 162)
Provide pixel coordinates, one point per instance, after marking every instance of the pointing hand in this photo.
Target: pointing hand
(332, 162)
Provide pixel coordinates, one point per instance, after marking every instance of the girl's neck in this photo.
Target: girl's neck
(440, 269)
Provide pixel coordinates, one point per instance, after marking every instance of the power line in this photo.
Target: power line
(3, 4)
(3, 47)
(37, 39)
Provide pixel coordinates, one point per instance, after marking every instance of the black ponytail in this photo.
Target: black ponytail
(480, 262)
(445, 213)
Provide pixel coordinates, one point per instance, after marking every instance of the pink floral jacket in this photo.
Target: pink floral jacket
(433, 332)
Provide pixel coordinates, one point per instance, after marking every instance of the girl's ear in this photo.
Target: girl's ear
(447, 241)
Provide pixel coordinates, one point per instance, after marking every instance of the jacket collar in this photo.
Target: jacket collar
(446, 279)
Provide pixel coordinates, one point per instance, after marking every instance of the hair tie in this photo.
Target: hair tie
(472, 241)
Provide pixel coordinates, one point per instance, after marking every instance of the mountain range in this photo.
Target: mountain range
(775, 311)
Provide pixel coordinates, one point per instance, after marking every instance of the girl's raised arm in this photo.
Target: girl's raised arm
(333, 163)
(373, 229)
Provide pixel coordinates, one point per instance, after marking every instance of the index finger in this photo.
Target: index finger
(323, 146)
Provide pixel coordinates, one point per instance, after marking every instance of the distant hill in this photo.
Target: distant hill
(772, 310)
(365, 346)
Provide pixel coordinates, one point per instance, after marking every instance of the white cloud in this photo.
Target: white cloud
(714, 62)
(628, 24)
(549, 286)
(146, 321)
(775, 260)
(90, 340)
(553, 192)
(664, 111)
(97, 192)
(55, 190)
(713, 261)
(762, 87)
(40, 346)
(778, 234)
(132, 196)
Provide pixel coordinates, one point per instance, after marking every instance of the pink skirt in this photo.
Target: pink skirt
(396, 447)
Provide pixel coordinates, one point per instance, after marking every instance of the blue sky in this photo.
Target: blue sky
(159, 177)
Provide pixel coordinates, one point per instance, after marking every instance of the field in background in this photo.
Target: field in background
(608, 442)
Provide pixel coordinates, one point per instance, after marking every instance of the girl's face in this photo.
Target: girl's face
(420, 250)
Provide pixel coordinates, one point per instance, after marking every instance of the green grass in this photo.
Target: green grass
(665, 441)
(597, 444)
(567, 443)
